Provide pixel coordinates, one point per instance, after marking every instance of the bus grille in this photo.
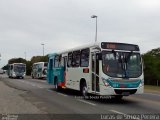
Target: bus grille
(121, 92)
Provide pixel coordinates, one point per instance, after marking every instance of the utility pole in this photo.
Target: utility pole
(43, 48)
(25, 54)
(94, 16)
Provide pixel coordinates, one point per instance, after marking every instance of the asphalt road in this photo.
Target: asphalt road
(45, 98)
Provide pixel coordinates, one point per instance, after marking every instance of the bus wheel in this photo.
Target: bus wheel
(57, 88)
(84, 90)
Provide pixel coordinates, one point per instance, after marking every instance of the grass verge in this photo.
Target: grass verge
(151, 88)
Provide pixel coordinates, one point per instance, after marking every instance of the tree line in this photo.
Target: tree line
(151, 61)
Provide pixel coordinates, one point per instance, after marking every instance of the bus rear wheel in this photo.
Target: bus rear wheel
(57, 88)
(84, 90)
(56, 85)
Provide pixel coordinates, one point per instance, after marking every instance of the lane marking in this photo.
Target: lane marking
(87, 102)
(62, 94)
(132, 117)
(117, 112)
(39, 81)
(49, 90)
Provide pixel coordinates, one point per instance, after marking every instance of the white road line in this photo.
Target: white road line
(62, 94)
(117, 112)
(87, 102)
(40, 81)
(125, 115)
(49, 90)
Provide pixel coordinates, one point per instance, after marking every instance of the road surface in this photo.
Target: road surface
(69, 102)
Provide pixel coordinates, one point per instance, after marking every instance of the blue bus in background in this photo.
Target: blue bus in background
(55, 71)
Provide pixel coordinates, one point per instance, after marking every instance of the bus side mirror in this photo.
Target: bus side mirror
(99, 56)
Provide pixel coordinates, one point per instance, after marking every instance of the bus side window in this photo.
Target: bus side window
(50, 64)
(85, 58)
(56, 61)
(76, 59)
(11, 67)
(69, 63)
(62, 61)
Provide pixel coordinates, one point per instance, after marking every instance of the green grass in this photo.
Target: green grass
(152, 88)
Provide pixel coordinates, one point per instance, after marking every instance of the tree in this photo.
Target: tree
(16, 60)
(5, 67)
(35, 59)
(152, 66)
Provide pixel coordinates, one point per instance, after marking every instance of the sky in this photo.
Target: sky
(64, 24)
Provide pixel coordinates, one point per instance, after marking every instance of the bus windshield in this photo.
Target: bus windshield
(121, 64)
(19, 68)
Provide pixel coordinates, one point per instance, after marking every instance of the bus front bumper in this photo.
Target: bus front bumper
(121, 91)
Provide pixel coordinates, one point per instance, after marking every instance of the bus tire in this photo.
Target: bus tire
(57, 88)
(32, 77)
(84, 90)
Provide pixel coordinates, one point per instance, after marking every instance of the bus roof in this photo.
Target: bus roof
(51, 54)
(97, 44)
(40, 62)
(17, 64)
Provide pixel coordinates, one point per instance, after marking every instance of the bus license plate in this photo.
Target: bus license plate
(125, 93)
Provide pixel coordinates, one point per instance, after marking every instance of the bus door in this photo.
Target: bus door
(11, 70)
(69, 69)
(65, 67)
(95, 73)
(50, 71)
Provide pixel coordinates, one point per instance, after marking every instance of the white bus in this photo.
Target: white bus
(17, 70)
(104, 68)
(39, 70)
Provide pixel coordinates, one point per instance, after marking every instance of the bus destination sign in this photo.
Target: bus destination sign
(119, 46)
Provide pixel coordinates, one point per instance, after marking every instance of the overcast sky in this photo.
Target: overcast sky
(64, 24)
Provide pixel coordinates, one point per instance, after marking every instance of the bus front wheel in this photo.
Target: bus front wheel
(84, 90)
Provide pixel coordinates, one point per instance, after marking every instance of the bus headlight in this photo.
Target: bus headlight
(105, 82)
(141, 84)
